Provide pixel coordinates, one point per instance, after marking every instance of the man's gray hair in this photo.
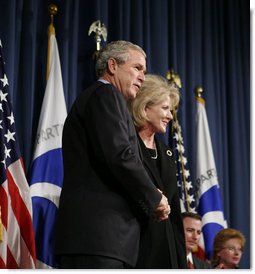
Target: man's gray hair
(119, 50)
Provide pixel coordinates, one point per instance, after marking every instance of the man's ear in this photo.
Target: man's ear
(112, 65)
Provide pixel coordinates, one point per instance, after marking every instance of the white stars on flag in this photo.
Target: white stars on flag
(9, 136)
(4, 80)
(11, 118)
(3, 96)
(17, 246)
(186, 189)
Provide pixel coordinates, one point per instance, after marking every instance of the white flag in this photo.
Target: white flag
(209, 197)
(46, 178)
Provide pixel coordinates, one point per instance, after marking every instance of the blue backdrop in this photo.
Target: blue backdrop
(207, 42)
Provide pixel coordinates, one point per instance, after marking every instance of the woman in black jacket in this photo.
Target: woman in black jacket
(162, 244)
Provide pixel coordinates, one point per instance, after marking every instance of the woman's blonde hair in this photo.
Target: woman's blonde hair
(154, 90)
(220, 239)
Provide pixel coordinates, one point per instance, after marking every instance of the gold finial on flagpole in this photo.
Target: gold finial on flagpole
(173, 77)
(53, 10)
(100, 30)
(198, 91)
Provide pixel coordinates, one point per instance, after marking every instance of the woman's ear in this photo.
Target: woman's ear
(145, 114)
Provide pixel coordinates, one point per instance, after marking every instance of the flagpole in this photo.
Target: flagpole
(51, 30)
(175, 79)
(46, 176)
(182, 162)
(210, 205)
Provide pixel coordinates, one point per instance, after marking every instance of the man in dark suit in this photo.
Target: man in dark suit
(192, 223)
(106, 188)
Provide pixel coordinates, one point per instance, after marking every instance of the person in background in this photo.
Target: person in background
(106, 188)
(228, 247)
(162, 244)
(192, 223)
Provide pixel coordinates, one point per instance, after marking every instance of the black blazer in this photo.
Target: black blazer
(200, 264)
(163, 244)
(105, 184)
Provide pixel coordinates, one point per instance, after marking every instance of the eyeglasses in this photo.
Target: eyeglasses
(233, 249)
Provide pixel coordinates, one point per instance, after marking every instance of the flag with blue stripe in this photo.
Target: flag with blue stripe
(46, 177)
(210, 205)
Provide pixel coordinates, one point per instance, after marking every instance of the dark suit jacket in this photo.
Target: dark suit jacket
(105, 184)
(200, 264)
(163, 244)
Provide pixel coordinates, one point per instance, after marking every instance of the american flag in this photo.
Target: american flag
(187, 190)
(17, 246)
(185, 186)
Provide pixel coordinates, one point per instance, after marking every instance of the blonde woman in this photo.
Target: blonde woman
(162, 244)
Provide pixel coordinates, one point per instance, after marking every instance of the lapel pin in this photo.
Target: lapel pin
(169, 152)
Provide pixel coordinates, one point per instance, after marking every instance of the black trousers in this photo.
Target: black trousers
(90, 262)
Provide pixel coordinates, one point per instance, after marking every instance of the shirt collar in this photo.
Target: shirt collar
(189, 257)
(103, 81)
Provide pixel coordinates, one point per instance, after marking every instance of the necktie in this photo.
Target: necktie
(190, 265)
